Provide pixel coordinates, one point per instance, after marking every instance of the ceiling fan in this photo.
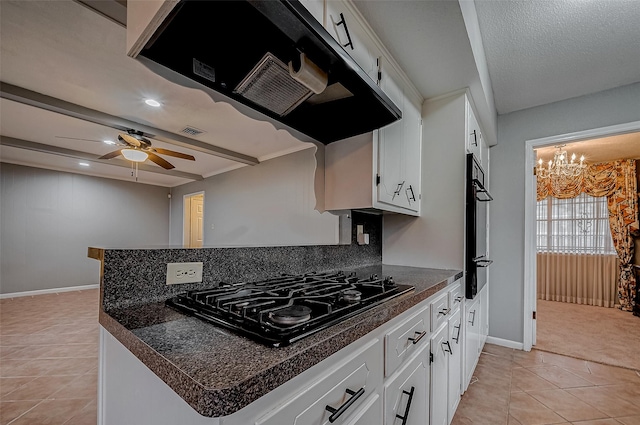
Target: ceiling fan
(136, 148)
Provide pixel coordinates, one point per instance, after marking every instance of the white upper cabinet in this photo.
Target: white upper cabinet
(348, 30)
(379, 171)
(475, 141)
(316, 7)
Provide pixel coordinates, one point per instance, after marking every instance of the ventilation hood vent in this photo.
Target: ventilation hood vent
(273, 57)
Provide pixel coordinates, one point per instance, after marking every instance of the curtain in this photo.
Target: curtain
(617, 181)
(577, 278)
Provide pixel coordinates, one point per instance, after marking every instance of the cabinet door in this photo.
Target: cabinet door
(474, 135)
(439, 376)
(406, 393)
(348, 31)
(484, 317)
(370, 413)
(472, 338)
(391, 148)
(455, 363)
(316, 7)
(412, 119)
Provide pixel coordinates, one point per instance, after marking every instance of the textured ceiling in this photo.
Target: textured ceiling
(545, 51)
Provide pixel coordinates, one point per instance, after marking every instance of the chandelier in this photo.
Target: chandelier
(561, 168)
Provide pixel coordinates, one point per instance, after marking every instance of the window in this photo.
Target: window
(576, 225)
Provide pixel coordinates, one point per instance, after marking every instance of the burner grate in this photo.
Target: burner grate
(282, 310)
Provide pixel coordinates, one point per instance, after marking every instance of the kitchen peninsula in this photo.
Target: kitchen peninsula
(159, 366)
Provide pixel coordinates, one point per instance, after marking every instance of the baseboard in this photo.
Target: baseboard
(48, 291)
(505, 343)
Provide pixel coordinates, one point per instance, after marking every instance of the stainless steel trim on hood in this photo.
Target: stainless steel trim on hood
(219, 43)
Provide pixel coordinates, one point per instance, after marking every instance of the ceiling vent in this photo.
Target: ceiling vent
(191, 131)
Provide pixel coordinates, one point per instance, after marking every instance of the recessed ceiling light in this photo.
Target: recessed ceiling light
(152, 102)
(109, 142)
(84, 164)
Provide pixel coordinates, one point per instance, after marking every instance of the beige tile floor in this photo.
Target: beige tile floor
(49, 360)
(537, 388)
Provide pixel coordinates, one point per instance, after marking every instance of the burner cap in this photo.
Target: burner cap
(351, 295)
(291, 315)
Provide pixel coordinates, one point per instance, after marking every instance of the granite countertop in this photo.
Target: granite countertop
(214, 370)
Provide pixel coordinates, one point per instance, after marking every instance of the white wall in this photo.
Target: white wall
(269, 204)
(611, 107)
(48, 219)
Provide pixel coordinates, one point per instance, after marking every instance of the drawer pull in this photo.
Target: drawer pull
(416, 339)
(457, 338)
(346, 30)
(335, 413)
(406, 410)
(444, 311)
(473, 317)
(448, 349)
(458, 298)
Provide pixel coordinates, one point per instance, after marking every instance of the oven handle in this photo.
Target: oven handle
(482, 261)
(336, 413)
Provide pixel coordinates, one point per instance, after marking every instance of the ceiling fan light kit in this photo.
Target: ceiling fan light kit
(134, 155)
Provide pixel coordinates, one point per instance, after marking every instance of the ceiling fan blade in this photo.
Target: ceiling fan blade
(111, 154)
(76, 138)
(174, 153)
(130, 140)
(160, 161)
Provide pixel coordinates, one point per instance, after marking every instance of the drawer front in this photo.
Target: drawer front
(456, 296)
(406, 393)
(335, 397)
(405, 339)
(440, 310)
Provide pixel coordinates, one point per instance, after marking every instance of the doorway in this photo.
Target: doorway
(530, 277)
(193, 219)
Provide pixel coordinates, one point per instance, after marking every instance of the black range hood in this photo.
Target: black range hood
(242, 49)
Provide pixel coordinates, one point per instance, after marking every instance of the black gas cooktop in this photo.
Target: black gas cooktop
(282, 310)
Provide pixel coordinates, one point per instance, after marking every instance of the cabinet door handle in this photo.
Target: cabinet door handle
(475, 136)
(411, 197)
(473, 317)
(457, 338)
(406, 410)
(336, 413)
(458, 298)
(346, 30)
(416, 339)
(448, 349)
(444, 311)
(398, 189)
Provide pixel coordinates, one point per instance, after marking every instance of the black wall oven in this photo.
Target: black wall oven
(477, 197)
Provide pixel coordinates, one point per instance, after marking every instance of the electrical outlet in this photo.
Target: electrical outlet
(184, 273)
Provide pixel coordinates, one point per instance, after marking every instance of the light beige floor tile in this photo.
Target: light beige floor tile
(630, 420)
(9, 410)
(569, 363)
(52, 412)
(612, 372)
(567, 405)
(602, 399)
(529, 411)
(560, 377)
(8, 385)
(522, 379)
(87, 416)
(39, 388)
(527, 358)
(598, 422)
(84, 386)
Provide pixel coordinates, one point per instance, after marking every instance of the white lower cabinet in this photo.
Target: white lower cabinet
(455, 363)
(337, 397)
(413, 378)
(406, 393)
(472, 338)
(440, 348)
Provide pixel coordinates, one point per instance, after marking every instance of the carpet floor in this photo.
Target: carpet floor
(598, 334)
